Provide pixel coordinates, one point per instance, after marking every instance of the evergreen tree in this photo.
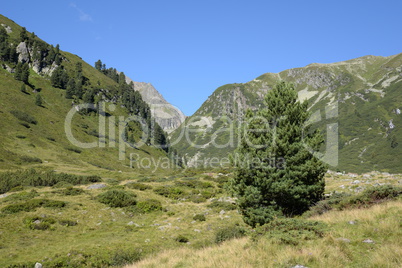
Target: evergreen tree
(23, 34)
(98, 65)
(23, 88)
(38, 100)
(22, 72)
(59, 78)
(70, 89)
(275, 172)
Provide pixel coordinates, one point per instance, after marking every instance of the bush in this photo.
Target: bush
(290, 231)
(24, 117)
(150, 205)
(138, 186)
(170, 192)
(197, 199)
(21, 196)
(325, 205)
(74, 149)
(30, 159)
(228, 233)
(124, 257)
(31, 205)
(71, 191)
(181, 239)
(221, 205)
(38, 223)
(117, 198)
(31, 177)
(68, 222)
(199, 217)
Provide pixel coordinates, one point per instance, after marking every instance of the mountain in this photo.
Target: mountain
(355, 103)
(166, 115)
(43, 120)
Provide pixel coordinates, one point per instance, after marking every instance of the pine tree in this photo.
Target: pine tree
(38, 100)
(70, 90)
(275, 172)
(98, 65)
(22, 72)
(23, 88)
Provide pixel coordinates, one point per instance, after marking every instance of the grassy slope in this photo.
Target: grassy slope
(380, 223)
(47, 139)
(102, 230)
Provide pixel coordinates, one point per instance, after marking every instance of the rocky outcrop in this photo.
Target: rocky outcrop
(166, 115)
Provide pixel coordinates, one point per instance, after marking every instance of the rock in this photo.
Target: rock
(23, 52)
(352, 222)
(133, 223)
(147, 240)
(3, 195)
(299, 266)
(222, 212)
(37, 222)
(356, 182)
(369, 241)
(197, 231)
(166, 115)
(96, 186)
(38, 265)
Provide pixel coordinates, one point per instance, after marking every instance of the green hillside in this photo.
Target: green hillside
(35, 136)
(363, 94)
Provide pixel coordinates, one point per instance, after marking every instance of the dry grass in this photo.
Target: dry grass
(381, 223)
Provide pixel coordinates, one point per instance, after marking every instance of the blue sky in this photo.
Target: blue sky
(187, 49)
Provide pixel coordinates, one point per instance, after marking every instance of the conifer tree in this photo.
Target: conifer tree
(276, 174)
(38, 100)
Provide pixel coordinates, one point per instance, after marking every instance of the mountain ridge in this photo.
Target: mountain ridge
(366, 89)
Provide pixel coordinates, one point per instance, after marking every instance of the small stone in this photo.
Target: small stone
(369, 241)
(356, 182)
(352, 222)
(38, 265)
(193, 222)
(299, 266)
(222, 212)
(96, 186)
(147, 240)
(37, 222)
(197, 231)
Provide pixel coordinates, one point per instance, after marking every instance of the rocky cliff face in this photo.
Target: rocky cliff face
(166, 115)
(367, 94)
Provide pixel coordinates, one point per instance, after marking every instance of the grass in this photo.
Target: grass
(341, 246)
(160, 230)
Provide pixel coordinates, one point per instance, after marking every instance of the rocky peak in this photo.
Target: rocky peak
(166, 115)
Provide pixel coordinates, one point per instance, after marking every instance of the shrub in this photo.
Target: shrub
(74, 149)
(138, 186)
(68, 222)
(221, 205)
(199, 217)
(228, 233)
(32, 204)
(117, 198)
(123, 257)
(197, 199)
(30, 159)
(181, 239)
(71, 191)
(24, 117)
(21, 196)
(20, 136)
(327, 204)
(38, 223)
(31, 177)
(371, 196)
(150, 205)
(170, 192)
(290, 231)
